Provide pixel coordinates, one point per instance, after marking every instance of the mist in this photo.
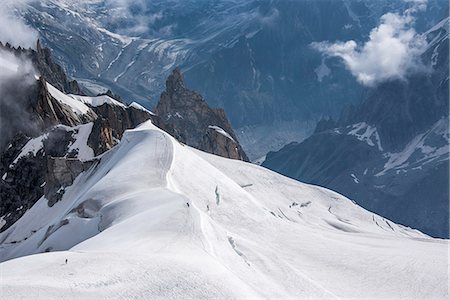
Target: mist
(17, 89)
(13, 29)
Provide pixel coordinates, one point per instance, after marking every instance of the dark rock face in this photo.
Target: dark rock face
(391, 153)
(186, 115)
(23, 181)
(21, 184)
(111, 123)
(49, 112)
(26, 105)
(51, 165)
(61, 172)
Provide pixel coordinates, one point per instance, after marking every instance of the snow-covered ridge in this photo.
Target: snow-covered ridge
(140, 107)
(77, 106)
(97, 100)
(81, 104)
(221, 131)
(158, 219)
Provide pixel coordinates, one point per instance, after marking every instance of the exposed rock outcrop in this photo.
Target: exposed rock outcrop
(61, 172)
(49, 112)
(186, 115)
(111, 123)
(36, 154)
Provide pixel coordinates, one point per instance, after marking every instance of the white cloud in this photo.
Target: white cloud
(13, 29)
(14, 66)
(392, 51)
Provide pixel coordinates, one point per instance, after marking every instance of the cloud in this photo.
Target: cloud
(17, 78)
(13, 29)
(392, 51)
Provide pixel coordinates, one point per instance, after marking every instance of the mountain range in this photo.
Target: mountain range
(390, 153)
(252, 58)
(127, 131)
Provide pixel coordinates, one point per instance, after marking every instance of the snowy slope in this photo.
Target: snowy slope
(77, 106)
(98, 100)
(127, 231)
(81, 105)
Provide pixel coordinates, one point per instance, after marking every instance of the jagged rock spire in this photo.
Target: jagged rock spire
(175, 81)
(186, 115)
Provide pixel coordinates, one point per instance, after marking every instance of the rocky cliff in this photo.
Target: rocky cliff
(186, 115)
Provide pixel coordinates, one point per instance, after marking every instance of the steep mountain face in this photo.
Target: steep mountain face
(253, 58)
(187, 116)
(70, 135)
(25, 104)
(63, 134)
(57, 135)
(153, 218)
(391, 153)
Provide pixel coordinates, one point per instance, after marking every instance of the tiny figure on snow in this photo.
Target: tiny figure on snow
(66, 261)
(187, 203)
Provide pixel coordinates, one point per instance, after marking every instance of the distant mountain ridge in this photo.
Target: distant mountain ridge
(252, 58)
(391, 153)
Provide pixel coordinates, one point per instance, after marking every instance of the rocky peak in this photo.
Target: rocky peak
(186, 115)
(175, 82)
(51, 71)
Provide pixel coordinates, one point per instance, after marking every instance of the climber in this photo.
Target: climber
(187, 203)
(66, 261)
